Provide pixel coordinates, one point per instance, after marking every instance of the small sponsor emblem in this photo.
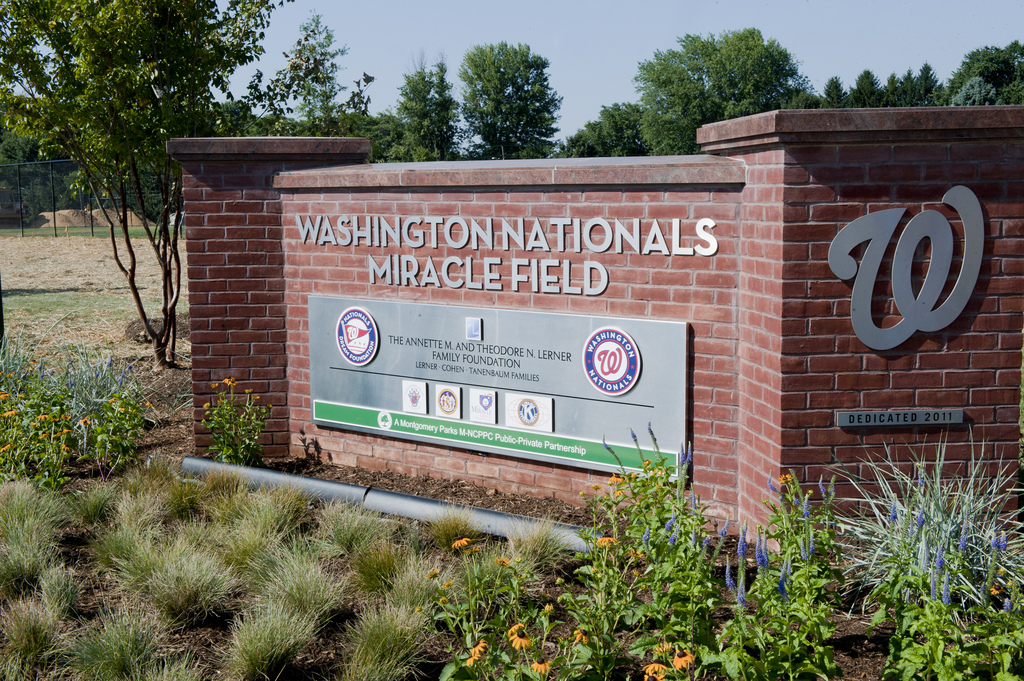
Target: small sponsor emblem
(529, 412)
(358, 338)
(611, 361)
(474, 329)
(414, 397)
(448, 401)
(384, 420)
(482, 406)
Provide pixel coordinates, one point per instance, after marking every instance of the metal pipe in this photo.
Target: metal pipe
(382, 501)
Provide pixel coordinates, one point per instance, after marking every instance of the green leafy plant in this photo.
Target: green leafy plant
(113, 434)
(235, 423)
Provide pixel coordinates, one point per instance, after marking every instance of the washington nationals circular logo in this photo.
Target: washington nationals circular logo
(358, 338)
(529, 412)
(611, 360)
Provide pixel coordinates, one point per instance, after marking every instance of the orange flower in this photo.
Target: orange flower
(12, 412)
(518, 638)
(615, 480)
(214, 385)
(606, 541)
(580, 636)
(655, 669)
(461, 542)
(595, 487)
(785, 479)
(995, 590)
(479, 648)
(432, 574)
(503, 562)
(231, 382)
(541, 666)
(682, 660)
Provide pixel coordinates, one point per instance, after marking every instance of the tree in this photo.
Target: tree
(712, 79)
(107, 84)
(835, 94)
(509, 107)
(975, 92)
(1000, 67)
(430, 114)
(616, 132)
(866, 91)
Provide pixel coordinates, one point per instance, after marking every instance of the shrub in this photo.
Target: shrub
(112, 433)
(235, 423)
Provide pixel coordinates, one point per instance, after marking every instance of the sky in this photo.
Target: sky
(594, 47)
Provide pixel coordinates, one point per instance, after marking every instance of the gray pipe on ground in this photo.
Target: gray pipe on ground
(382, 501)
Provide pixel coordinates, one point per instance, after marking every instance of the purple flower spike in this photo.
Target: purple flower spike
(807, 507)
(689, 453)
(729, 583)
(771, 486)
(821, 487)
(810, 549)
(920, 476)
(1002, 542)
(606, 446)
(761, 552)
(933, 586)
(633, 435)
(741, 547)
(671, 523)
(674, 538)
(920, 519)
(940, 560)
(945, 589)
(963, 539)
(704, 544)
(741, 598)
(650, 431)
(893, 513)
(803, 549)
(647, 535)
(725, 529)
(1008, 605)
(783, 592)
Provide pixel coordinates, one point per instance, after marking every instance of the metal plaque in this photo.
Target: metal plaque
(534, 385)
(898, 418)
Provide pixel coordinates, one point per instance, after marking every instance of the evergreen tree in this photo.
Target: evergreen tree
(835, 94)
(975, 92)
(866, 91)
(1000, 67)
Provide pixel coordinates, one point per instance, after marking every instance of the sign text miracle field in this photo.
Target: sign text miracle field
(528, 384)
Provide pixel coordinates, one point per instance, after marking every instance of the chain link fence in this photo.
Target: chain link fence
(42, 199)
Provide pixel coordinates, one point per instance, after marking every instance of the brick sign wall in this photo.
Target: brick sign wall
(773, 356)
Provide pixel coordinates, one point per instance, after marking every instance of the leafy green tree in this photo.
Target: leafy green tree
(509, 107)
(866, 91)
(616, 132)
(834, 96)
(909, 89)
(430, 114)
(108, 84)
(712, 79)
(387, 136)
(1000, 67)
(15, 148)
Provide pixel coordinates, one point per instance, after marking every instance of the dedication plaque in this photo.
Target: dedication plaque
(534, 385)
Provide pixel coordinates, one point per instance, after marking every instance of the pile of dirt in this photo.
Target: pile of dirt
(73, 217)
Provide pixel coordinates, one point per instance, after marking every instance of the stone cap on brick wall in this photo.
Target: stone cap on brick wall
(643, 170)
(868, 126)
(315, 150)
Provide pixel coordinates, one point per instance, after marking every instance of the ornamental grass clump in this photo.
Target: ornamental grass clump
(186, 584)
(297, 579)
(346, 529)
(382, 643)
(123, 646)
(376, 566)
(265, 639)
(908, 518)
(30, 639)
(453, 529)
